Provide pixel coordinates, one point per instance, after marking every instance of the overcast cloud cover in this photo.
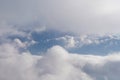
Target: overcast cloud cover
(79, 16)
(20, 19)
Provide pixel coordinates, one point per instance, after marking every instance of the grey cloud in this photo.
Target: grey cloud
(67, 15)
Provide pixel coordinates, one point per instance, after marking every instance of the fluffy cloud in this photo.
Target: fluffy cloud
(56, 64)
(71, 41)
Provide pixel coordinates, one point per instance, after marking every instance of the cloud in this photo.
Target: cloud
(83, 17)
(55, 64)
(69, 41)
(78, 16)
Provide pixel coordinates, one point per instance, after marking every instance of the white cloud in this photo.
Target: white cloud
(68, 40)
(79, 41)
(19, 43)
(56, 64)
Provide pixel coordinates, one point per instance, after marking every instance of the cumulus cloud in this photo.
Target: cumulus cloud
(84, 40)
(56, 64)
(68, 40)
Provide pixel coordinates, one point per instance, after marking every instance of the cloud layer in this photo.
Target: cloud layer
(56, 64)
(26, 17)
(77, 16)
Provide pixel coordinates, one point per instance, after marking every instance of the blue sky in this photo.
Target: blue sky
(96, 45)
(59, 39)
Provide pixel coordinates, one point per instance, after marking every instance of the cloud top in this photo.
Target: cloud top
(56, 64)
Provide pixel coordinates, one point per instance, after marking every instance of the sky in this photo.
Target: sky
(59, 39)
